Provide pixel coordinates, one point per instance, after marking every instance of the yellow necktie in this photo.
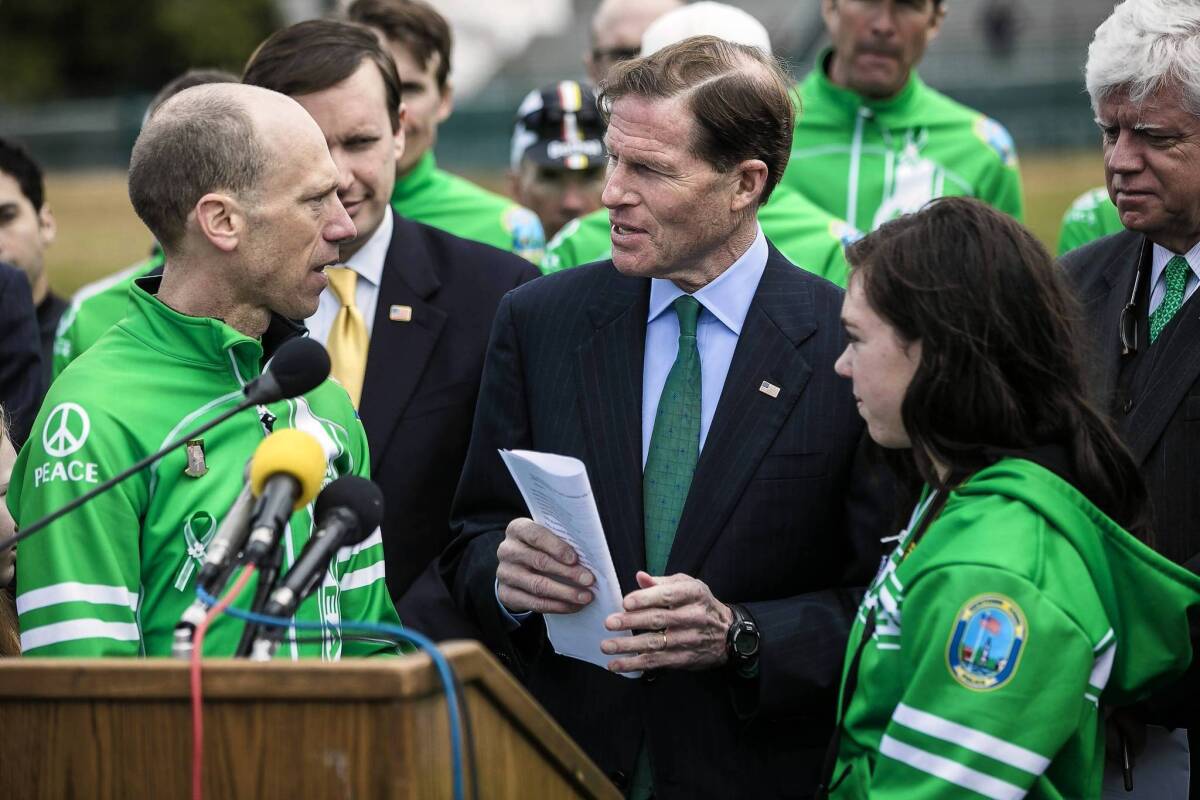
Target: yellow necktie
(348, 339)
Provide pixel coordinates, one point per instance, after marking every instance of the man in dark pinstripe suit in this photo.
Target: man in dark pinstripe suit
(699, 325)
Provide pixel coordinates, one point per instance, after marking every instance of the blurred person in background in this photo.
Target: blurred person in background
(96, 306)
(807, 235)
(419, 39)
(21, 385)
(10, 638)
(616, 30)
(558, 156)
(1138, 289)
(236, 183)
(27, 228)
(1091, 216)
(873, 141)
(1015, 609)
(407, 319)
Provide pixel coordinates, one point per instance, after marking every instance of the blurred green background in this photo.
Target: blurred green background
(78, 75)
(99, 233)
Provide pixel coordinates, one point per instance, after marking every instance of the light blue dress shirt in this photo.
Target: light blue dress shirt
(724, 305)
(1158, 266)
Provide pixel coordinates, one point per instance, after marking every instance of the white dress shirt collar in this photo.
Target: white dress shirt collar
(1162, 255)
(368, 261)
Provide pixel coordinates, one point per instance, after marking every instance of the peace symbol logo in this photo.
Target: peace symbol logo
(66, 430)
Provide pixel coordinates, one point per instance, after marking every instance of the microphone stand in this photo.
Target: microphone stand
(267, 574)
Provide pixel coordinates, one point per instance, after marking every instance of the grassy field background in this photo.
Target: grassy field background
(98, 233)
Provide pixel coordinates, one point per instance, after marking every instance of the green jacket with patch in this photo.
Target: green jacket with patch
(453, 204)
(94, 309)
(996, 638)
(1092, 216)
(806, 235)
(869, 161)
(113, 577)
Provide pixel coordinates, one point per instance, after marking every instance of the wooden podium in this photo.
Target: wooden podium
(371, 728)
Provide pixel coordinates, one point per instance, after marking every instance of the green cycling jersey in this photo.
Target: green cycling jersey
(869, 161)
(453, 204)
(113, 577)
(1092, 216)
(94, 309)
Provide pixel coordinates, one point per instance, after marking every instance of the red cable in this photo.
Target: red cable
(197, 707)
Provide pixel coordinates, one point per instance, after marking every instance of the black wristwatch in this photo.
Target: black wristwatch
(741, 641)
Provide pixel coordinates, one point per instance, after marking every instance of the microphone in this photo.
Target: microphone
(285, 475)
(296, 368)
(228, 540)
(347, 512)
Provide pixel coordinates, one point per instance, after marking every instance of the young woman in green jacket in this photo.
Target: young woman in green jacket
(1015, 607)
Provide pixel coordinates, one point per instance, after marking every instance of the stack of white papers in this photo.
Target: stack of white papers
(559, 496)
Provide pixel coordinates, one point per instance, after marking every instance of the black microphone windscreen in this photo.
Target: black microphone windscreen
(360, 496)
(300, 365)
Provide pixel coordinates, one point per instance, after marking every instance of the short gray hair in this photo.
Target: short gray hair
(1143, 46)
(199, 141)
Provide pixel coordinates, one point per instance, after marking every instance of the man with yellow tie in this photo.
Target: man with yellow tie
(406, 319)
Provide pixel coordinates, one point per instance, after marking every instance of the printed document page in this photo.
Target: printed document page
(559, 496)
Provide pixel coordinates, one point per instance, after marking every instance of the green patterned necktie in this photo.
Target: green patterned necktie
(675, 442)
(674, 450)
(1176, 275)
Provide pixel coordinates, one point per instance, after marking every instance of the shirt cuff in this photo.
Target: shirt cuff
(514, 620)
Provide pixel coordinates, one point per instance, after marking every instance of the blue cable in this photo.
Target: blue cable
(412, 637)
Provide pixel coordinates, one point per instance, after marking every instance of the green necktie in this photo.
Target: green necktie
(674, 450)
(1176, 275)
(674, 444)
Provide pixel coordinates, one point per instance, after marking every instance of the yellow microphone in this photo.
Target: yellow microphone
(286, 473)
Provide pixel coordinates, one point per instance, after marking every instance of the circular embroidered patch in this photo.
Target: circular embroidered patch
(985, 645)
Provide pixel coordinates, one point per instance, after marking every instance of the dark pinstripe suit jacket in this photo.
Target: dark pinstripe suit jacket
(780, 517)
(1157, 414)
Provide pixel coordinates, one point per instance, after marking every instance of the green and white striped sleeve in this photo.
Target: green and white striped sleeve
(998, 678)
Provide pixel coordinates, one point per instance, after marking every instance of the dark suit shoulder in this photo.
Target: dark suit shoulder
(575, 287)
(1085, 263)
(21, 386)
(9, 277)
(487, 265)
(797, 299)
(787, 273)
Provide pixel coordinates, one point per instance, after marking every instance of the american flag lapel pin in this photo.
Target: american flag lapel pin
(769, 389)
(400, 313)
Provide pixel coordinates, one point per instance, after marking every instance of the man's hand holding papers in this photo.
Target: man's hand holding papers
(540, 572)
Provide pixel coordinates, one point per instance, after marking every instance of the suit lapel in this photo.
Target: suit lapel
(1111, 295)
(399, 351)
(609, 373)
(1173, 371)
(747, 421)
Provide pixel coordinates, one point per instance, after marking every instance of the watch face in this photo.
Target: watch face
(745, 640)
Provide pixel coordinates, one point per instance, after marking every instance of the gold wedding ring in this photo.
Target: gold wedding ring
(664, 641)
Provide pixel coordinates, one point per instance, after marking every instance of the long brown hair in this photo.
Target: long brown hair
(1000, 367)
